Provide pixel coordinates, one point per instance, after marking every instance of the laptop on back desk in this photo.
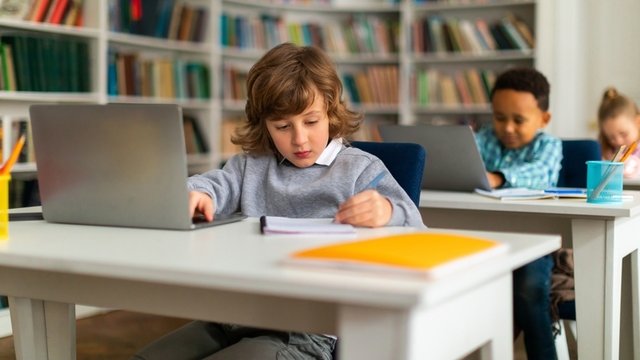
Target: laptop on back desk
(116, 164)
(453, 159)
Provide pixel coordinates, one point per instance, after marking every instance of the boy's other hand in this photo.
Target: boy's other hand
(368, 208)
(495, 179)
(201, 204)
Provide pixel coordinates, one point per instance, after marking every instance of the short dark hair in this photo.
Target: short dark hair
(525, 79)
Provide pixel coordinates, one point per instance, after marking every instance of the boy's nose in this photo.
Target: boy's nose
(299, 136)
(509, 127)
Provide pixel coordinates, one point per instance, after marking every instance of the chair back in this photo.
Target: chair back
(575, 153)
(405, 162)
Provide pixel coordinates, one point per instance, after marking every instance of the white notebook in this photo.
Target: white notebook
(285, 225)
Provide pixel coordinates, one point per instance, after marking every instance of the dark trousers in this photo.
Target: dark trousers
(201, 340)
(531, 308)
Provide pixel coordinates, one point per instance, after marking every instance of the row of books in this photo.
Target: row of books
(359, 34)
(167, 19)
(44, 63)
(235, 83)
(130, 74)
(435, 34)
(194, 138)
(61, 12)
(373, 85)
(462, 87)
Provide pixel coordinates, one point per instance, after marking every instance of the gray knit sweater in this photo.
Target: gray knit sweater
(259, 185)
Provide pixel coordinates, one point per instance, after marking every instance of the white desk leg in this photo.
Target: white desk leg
(29, 333)
(480, 318)
(42, 330)
(61, 330)
(598, 275)
(635, 298)
(372, 334)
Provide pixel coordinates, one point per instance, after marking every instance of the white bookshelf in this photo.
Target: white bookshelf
(408, 62)
(100, 38)
(211, 112)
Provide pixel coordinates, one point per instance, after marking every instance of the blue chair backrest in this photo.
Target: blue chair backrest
(405, 162)
(575, 154)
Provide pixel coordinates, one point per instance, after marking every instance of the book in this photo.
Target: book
(425, 254)
(515, 194)
(286, 225)
(566, 192)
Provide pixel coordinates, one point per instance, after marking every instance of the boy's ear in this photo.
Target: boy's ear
(638, 121)
(546, 118)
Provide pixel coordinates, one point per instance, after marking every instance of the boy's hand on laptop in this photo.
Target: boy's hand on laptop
(368, 208)
(201, 204)
(495, 179)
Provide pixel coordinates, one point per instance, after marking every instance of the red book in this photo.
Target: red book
(40, 10)
(59, 11)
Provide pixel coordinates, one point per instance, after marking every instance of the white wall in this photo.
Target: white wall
(616, 56)
(585, 46)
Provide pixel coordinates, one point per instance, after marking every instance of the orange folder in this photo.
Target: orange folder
(431, 255)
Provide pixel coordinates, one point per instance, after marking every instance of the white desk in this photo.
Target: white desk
(231, 274)
(631, 184)
(601, 235)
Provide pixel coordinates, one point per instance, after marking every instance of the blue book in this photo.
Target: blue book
(567, 192)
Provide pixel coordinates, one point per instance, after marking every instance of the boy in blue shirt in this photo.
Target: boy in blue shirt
(517, 153)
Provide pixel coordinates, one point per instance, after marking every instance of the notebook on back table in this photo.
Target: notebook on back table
(453, 159)
(120, 165)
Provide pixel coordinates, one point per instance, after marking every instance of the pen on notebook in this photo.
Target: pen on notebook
(374, 183)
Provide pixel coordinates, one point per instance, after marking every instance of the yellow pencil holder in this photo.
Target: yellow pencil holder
(4, 206)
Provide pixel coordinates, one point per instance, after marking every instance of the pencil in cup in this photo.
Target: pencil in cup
(612, 170)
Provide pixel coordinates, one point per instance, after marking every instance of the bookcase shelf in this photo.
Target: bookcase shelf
(489, 56)
(49, 28)
(29, 97)
(388, 50)
(327, 8)
(101, 40)
(477, 5)
(140, 41)
(405, 108)
(484, 109)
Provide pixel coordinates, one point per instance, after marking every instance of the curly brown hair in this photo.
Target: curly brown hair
(284, 82)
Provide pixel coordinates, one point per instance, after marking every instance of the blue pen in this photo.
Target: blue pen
(374, 183)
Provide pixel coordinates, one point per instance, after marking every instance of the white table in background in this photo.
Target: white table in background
(601, 236)
(631, 184)
(231, 273)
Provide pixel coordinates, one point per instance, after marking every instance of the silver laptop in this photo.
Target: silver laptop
(453, 160)
(120, 165)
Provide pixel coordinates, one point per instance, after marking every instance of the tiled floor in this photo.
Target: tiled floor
(118, 334)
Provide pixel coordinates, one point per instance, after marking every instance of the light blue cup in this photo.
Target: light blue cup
(604, 182)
